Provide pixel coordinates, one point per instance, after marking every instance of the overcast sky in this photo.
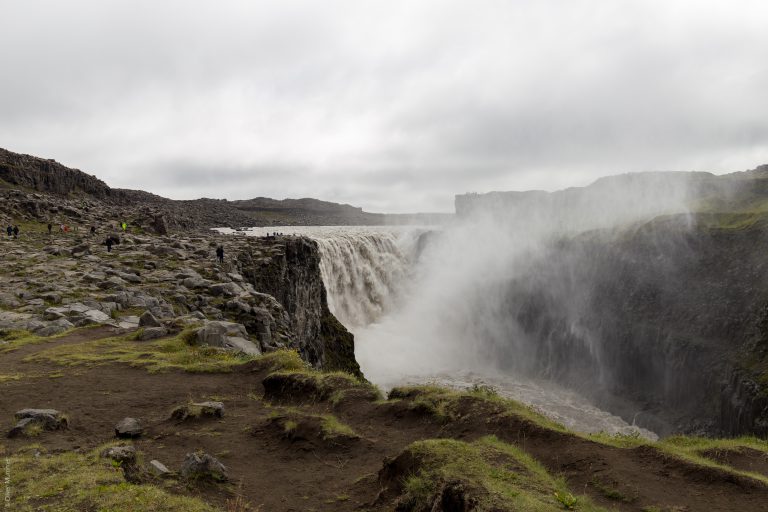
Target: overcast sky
(390, 105)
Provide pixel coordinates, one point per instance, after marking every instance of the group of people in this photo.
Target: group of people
(13, 231)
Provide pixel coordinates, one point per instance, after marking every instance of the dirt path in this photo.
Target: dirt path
(281, 474)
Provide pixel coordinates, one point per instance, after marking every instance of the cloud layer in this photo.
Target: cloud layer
(391, 105)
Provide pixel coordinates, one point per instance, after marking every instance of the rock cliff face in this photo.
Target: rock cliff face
(48, 176)
(292, 275)
(664, 318)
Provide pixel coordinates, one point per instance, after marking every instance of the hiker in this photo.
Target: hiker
(220, 253)
(93, 230)
(109, 244)
(124, 226)
(15, 232)
(50, 227)
(9, 230)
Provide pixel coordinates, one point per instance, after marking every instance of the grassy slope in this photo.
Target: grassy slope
(499, 474)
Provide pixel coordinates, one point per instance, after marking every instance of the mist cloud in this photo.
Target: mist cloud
(393, 106)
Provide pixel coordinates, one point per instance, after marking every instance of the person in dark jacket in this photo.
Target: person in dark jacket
(50, 227)
(220, 253)
(9, 230)
(109, 244)
(15, 231)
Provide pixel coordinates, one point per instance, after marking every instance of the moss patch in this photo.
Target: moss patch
(163, 355)
(449, 405)
(488, 473)
(75, 482)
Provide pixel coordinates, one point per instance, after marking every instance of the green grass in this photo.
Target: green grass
(498, 475)
(284, 360)
(72, 482)
(332, 385)
(444, 404)
(690, 449)
(162, 355)
(330, 426)
(167, 354)
(6, 377)
(15, 339)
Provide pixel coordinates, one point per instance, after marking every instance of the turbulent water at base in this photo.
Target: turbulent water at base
(369, 273)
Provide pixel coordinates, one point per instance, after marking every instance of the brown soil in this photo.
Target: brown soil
(745, 459)
(281, 472)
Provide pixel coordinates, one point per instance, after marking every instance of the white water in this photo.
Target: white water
(414, 324)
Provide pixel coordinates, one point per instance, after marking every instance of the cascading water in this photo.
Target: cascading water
(363, 275)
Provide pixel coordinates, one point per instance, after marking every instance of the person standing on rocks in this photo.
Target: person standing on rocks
(50, 227)
(9, 230)
(109, 244)
(15, 232)
(93, 230)
(220, 253)
(124, 226)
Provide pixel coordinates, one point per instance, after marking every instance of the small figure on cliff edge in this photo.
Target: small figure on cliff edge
(220, 253)
(9, 230)
(124, 226)
(15, 232)
(93, 230)
(109, 244)
(50, 227)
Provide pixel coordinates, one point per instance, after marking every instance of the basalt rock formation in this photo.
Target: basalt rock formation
(50, 176)
(292, 276)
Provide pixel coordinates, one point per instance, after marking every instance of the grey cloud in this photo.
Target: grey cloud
(393, 106)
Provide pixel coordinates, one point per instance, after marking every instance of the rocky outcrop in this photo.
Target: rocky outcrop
(84, 199)
(291, 274)
(43, 175)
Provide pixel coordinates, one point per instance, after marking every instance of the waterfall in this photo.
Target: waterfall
(364, 273)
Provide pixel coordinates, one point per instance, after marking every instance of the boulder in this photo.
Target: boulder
(131, 278)
(47, 419)
(228, 335)
(128, 428)
(94, 277)
(54, 328)
(202, 466)
(95, 316)
(196, 282)
(147, 319)
(121, 454)
(52, 297)
(55, 313)
(81, 250)
(226, 289)
(215, 409)
(198, 410)
(152, 333)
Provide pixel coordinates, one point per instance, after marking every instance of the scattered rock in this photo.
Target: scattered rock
(128, 428)
(157, 468)
(198, 410)
(152, 333)
(47, 419)
(228, 335)
(147, 319)
(202, 466)
(53, 328)
(122, 454)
